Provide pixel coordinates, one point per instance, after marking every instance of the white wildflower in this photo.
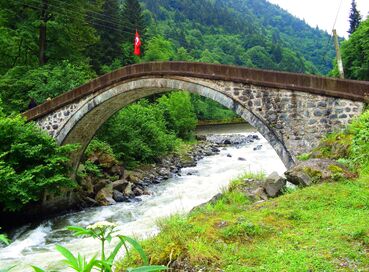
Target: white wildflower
(102, 225)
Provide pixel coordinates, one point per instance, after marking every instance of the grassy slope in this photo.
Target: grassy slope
(321, 228)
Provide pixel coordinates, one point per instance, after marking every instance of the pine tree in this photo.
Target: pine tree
(355, 18)
(132, 19)
(108, 26)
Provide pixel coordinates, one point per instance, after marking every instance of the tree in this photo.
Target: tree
(109, 28)
(179, 113)
(37, 32)
(132, 19)
(355, 53)
(158, 48)
(355, 18)
(30, 163)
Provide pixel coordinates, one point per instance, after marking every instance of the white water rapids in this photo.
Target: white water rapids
(36, 244)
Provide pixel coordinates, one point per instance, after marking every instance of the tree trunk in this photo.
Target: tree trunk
(42, 32)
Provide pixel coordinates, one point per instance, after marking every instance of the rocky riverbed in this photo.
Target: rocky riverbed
(120, 185)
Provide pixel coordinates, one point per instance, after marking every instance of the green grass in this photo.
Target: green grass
(324, 227)
(321, 228)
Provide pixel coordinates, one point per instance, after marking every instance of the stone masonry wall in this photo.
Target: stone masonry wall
(296, 119)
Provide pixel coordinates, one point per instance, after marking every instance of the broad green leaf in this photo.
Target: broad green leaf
(37, 269)
(70, 259)
(137, 247)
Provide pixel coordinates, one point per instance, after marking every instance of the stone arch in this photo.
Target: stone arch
(83, 124)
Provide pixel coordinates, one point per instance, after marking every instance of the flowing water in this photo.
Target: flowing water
(36, 244)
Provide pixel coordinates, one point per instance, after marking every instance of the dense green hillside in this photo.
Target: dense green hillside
(252, 33)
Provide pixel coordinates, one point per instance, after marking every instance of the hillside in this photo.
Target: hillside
(251, 33)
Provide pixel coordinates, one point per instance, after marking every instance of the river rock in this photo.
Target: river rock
(274, 184)
(119, 197)
(105, 196)
(117, 170)
(241, 159)
(315, 171)
(257, 194)
(201, 137)
(128, 190)
(90, 202)
(120, 185)
(229, 155)
(134, 176)
(101, 184)
(258, 147)
(137, 191)
(87, 186)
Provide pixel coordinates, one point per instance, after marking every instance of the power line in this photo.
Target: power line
(87, 13)
(338, 12)
(120, 32)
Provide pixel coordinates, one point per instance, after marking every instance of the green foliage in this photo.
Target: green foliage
(4, 239)
(30, 163)
(224, 32)
(108, 26)
(159, 49)
(103, 231)
(143, 129)
(207, 109)
(132, 20)
(69, 32)
(276, 235)
(355, 53)
(179, 114)
(360, 142)
(21, 83)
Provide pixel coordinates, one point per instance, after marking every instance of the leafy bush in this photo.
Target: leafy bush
(179, 114)
(21, 83)
(207, 109)
(360, 142)
(30, 163)
(138, 133)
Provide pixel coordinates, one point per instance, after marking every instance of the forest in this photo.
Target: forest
(48, 47)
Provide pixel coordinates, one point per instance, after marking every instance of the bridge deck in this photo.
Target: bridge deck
(347, 89)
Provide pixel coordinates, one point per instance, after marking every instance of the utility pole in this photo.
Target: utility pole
(338, 55)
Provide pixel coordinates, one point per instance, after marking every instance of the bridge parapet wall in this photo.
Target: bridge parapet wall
(292, 121)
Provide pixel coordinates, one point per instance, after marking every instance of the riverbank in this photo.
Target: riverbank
(323, 227)
(119, 185)
(35, 244)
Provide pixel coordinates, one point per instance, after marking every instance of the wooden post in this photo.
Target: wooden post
(338, 55)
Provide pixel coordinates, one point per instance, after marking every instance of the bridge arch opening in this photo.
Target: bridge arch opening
(99, 107)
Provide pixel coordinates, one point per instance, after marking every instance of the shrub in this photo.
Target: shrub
(30, 163)
(179, 114)
(138, 133)
(360, 143)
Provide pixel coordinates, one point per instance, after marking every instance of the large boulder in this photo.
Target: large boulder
(119, 197)
(105, 196)
(120, 185)
(274, 184)
(101, 184)
(316, 171)
(128, 190)
(117, 170)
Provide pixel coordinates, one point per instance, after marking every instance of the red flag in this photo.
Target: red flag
(137, 51)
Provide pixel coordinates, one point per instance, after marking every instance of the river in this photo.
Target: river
(35, 244)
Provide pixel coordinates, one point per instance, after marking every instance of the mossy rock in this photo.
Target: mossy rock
(316, 171)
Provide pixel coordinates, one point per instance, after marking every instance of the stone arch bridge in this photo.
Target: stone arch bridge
(292, 111)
